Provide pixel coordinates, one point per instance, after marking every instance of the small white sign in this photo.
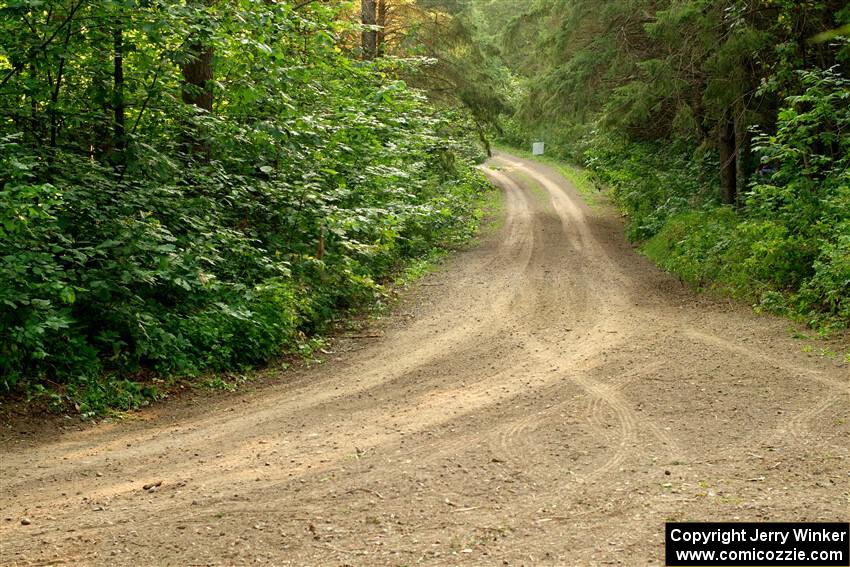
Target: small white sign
(537, 148)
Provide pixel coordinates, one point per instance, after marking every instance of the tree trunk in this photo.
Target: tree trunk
(483, 137)
(699, 112)
(198, 75)
(118, 86)
(54, 96)
(728, 167)
(369, 38)
(197, 88)
(382, 24)
(742, 151)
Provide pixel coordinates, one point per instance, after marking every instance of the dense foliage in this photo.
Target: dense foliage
(189, 187)
(793, 235)
(720, 125)
(194, 186)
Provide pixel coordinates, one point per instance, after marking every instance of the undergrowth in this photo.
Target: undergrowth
(204, 242)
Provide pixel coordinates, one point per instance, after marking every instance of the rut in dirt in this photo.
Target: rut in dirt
(549, 398)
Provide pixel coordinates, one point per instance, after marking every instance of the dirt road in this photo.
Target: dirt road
(550, 398)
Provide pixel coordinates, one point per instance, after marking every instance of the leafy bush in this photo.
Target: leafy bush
(315, 181)
(691, 245)
(828, 289)
(790, 246)
(651, 182)
(714, 248)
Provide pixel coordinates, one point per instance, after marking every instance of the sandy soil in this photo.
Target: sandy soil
(549, 398)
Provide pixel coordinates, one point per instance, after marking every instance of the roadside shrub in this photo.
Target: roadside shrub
(650, 182)
(828, 289)
(693, 245)
(171, 265)
(788, 249)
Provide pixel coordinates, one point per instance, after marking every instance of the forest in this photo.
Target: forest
(720, 127)
(193, 187)
(197, 187)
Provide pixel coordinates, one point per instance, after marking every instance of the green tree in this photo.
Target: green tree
(192, 187)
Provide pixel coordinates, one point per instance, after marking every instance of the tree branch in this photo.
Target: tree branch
(19, 66)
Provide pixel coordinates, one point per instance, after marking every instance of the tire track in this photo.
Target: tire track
(527, 403)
